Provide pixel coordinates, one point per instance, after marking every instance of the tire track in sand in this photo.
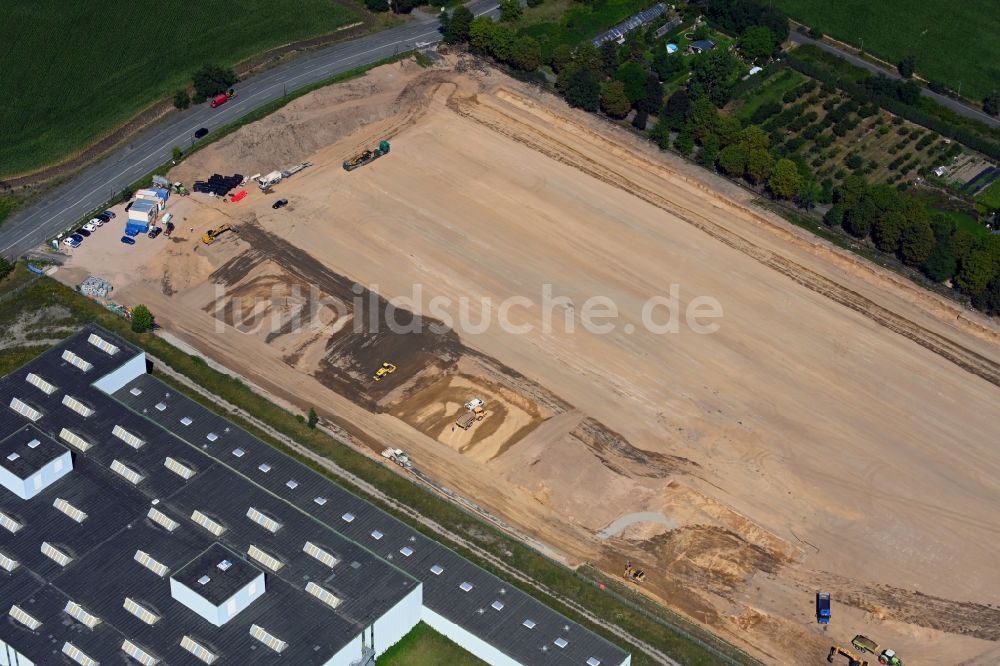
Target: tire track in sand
(519, 131)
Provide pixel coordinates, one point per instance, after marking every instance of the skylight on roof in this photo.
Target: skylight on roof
(161, 406)
(529, 623)
(9, 523)
(329, 559)
(54, 554)
(292, 483)
(69, 510)
(377, 535)
(33, 444)
(437, 570)
(136, 391)
(76, 611)
(593, 661)
(239, 453)
(269, 561)
(137, 653)
(24, 409)
(127, 437)
(126, 472)
(140, 611)
(324, 595)
(264, 467)
(77, 406)
(211, 437)
(224, 565)
(348, 517)
(187, 420)
(267, 639)
(204, 580)
(72, 438)
(40, 383)
(561, 642)
(268, 523)
(206, 522)
(77, 655)
(497, 605)
(13, 456)
(162, 519)
(466, 586)
(75, 360)
(320, 500)
(198, 650)
(147, 561)
(178, 468)
(8, 564)
(102, 344)
(406, 551)
(18, 614)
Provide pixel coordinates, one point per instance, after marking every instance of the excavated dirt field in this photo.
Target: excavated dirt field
(838, 431)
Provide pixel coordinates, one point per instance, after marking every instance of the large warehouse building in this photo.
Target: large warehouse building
(138, 527)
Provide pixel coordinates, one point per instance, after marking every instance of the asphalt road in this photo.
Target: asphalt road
(91, 186)
(947, 102)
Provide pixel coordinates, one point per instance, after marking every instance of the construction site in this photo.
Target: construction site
(836, 433)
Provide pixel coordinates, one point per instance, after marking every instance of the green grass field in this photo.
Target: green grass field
(556, 22)
(7, 206)
(954, 43)
(990, 197)
(771, 90)
(425, 647)
(74, 71)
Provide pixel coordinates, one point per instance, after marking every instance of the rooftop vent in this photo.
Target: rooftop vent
(140, 611)
(206, 522)
(8, 564)
(9, 523)
(147, 561)
(54, 554)
(270, 524)
(137, 653)
(75, 611)
(102, 344)
(268, 561)
(267, 639)
(324, 595)
(76, 361)
(77, 406)
(177, 468)
(24, 409)
(126, 472)
(127, 437)
(198, 650)
(69, 510)
(71, 437)
(18, 614)
(77, 655)
(37, 381)
(323, 556)
(162, 519)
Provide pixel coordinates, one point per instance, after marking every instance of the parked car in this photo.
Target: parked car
(109, 214)
(101, 218)
(200, 132)
(280, 203)
(83, 232)
(128, 240)
(154, 232)
(96, 221)
(73, 241)
(90, 226)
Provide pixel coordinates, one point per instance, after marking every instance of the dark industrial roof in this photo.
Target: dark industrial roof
(27, 450)
(380, 559)
(217, 574)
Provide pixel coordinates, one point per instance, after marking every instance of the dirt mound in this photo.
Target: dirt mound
(618, 455)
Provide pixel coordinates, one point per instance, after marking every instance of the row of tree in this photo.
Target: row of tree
(901, 225)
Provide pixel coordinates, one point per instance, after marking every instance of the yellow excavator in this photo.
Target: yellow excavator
(852, 659)
(209, 236)
(386, 369)
(634, 573)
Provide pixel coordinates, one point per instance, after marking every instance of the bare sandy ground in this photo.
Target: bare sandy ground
(839, 431)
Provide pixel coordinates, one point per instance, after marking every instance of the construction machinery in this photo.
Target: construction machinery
(265, 183)
(633, 572)
(366, 156)
(852, 659)
(180, 189)
(385, 370)
(864, 644)
(399, 457)
(889, 658)
(211, 235)
(823, 607)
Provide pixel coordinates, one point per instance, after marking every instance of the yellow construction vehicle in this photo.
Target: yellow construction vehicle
(852, 659)
(209, 236)
(634, 573)
(386, 369)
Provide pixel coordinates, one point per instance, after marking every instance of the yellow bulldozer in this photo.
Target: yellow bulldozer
(211, 235)
(385, 370)
(634, 573)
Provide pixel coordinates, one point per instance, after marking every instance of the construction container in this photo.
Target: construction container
(156, 195)
(144, 212)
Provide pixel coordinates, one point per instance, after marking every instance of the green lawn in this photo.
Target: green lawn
(771, 90)
(7, 206)
(965, 222)
(990, 197)
(425, 647)
(556, 22)
(74, 71)
(953, 42)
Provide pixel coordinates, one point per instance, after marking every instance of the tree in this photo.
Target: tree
(757, 43)
(142, 319)
(182, 99)
(562, 56)
(526, 54)
(676, 109)
(733, 159)
(632, 75)
(712, 75)
(941, 264)
(377, 5)
(586, 55)
(976, 272)
(640, 120)
(653, 99)
(989, 300)
(211, 80)
(809, 193)
(313, 418)
(727, 128)
(684, 143)
(661, 133)
(785, 179)
(861, 218)
(906, 66)
(457, 27)
(510, 10)
(991, 103)
(176, 153)
(917, 242)
(481, 34)
(583, 90)
(850, 191)
(502, 42)
(759, 163)
(709, 151)
(888, 231)
(534, 3)
(835, 216)
(666, 65)
(614, 101)
(702, 117)
(609, 57)
(753, 137)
